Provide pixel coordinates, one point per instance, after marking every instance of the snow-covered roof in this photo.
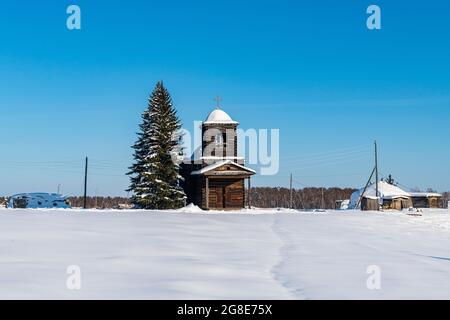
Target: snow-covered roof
(219, 164)
(219, 116)
(385, 191)
(345, 204)
(425, 194)
(218, 158)
(45, 195)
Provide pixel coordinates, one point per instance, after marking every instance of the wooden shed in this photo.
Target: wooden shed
(397, 203)
(426, 199)
(389, 197)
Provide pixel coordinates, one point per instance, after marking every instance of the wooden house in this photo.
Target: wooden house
(389, 197)
(426, 199)
(216, 180)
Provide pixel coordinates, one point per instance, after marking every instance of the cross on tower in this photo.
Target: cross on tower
(218, 99)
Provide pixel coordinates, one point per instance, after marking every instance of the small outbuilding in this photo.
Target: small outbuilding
(342, 204)
(426, 199)
(390, 197)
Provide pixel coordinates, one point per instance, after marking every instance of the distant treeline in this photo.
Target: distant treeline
(263, 197)
(99, 202)
(307, 198)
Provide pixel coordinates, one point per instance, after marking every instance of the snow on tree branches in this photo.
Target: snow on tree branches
(154, 174)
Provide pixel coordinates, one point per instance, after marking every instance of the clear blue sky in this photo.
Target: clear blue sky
(310, 68)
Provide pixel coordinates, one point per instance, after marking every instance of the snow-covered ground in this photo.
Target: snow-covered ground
(260, 254)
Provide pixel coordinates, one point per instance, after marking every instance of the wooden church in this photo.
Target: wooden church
(215, 176)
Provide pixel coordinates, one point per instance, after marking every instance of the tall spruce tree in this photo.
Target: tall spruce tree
(155, 178)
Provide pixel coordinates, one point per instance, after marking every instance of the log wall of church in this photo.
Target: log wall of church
(224, 193)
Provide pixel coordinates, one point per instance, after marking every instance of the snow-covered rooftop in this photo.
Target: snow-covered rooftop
(219, 164)
(218, 158)
(219, 116)
(385, 190)
(425, 194)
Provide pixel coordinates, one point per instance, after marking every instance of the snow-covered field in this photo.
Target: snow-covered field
(263, 254)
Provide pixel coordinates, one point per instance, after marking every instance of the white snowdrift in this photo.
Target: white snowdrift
(157, 255)
(190, 208)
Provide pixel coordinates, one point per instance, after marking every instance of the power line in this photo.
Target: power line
(85, 183)
(336, 151)
(327, 158)
(290, 192)
(319, 165)
(333, 175)
(300, 183)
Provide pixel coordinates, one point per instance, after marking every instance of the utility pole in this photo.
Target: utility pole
(85, 183)
(59, 189)
(290, 193)
(323, 200)
(365, 188)
(376, 174)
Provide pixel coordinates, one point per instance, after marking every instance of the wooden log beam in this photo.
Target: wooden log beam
(248, 194)
(228, 173)
(207, 193)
